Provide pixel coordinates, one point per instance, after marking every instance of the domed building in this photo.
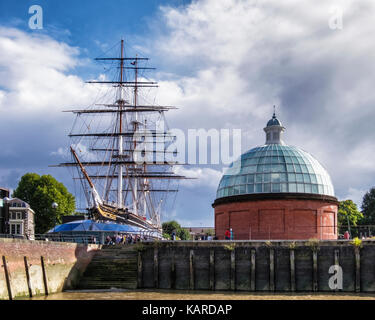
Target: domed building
(276, 191)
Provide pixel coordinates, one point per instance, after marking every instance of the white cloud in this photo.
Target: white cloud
(227, 62)
(200, 177)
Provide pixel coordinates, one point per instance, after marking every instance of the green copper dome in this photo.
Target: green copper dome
(275, 168)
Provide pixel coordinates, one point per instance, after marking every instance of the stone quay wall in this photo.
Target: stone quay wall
(280, 266)
(29, 268)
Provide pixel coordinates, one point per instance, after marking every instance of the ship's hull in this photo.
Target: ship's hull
(107, 212)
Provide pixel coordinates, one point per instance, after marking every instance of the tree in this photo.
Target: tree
(348, 211)
(170, 226)
(40, 192)
(368, 207)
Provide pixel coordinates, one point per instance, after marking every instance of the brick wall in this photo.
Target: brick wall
(277, 219)
(64, 264)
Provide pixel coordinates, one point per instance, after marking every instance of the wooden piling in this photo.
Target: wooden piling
(191, 269)
(28, 277)
(156, 267)
(44, 276)
(252, 280)
(315, 271)
(357, 270)
(173, 272)
(7, 278)
(272, 270)
(233, 269)
(292, 271)
(212, 269)
(139, 270)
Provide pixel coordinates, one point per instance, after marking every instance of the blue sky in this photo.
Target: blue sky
(224, 62)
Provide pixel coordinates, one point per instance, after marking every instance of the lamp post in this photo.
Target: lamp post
(54, 207)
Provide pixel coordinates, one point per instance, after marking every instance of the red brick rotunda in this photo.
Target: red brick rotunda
(274, 192)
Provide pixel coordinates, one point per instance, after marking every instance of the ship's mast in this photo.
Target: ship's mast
(120, 137)
(119, 159)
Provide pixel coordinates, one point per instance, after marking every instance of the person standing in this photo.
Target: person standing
(231, 234)
(346, 235)
(227, 234)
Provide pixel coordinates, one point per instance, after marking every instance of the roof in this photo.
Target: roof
(91, 225)
(275, 168)
(274, 121)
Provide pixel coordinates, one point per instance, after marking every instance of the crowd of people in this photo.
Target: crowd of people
(124, 239)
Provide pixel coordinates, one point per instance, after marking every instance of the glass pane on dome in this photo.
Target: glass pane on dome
(258, 178)
(243, 189)
(314, 188)
(313, 178)
(292, 187)
(267, 187)
(320, 189)
(300, 187)
(291, 177)
(283, 177)
(284, 187)
(250, 178)
(267, 177)
(258, 187)
(308, 188)
(276, 187)
(299, 177)
(250, 188)
(249, 169)
(290, 168)
(275, 177)
(306, 178)
(298, 168)
(267, 168)
(304, 168)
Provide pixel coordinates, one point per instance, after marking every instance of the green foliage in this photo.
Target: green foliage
(357, 242)
(313, 243)
(292, 245)
(368, 207)
(348, 211)
(230, 246)
(40, 192)
(268, 244)
(166, 236)
(170, 226)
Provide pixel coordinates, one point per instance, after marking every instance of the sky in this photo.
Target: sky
(225, 63)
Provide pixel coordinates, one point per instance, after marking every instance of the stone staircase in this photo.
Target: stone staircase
(115, 266)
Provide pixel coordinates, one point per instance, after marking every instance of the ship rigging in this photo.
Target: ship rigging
(123, 150)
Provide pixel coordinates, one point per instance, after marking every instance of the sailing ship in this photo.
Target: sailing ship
(122, 148)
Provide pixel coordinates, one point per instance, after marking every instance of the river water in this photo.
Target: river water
(152, 294)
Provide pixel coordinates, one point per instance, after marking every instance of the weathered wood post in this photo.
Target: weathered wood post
(191, 269)
(7, 278)
(233, 269)
(28, 276)
(44, 276)
(292, 271)
(156, 267)
(252, 282)
(272, 270)
(315, 270)
(212, 269)
(173, 271)
(139, 270)
(357, 270)
(336, 257)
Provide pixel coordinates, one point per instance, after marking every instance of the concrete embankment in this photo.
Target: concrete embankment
(261, 266)
(280, 266)
(40, 267)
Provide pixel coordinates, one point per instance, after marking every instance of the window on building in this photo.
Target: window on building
(15, 228)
